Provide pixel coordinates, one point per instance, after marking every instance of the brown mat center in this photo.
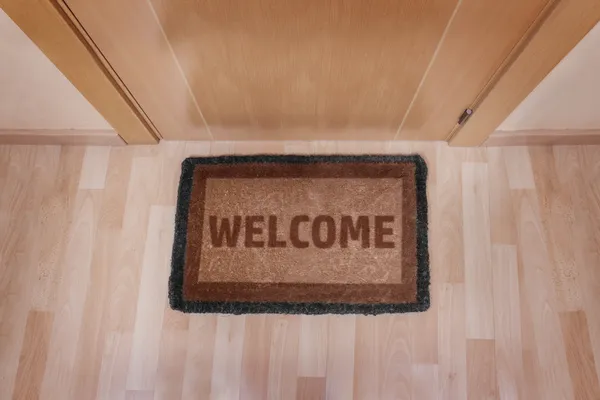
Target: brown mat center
(325, 233)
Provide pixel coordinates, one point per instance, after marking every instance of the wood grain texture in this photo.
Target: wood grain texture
(477, 247)
(558, 216)
(311, 389)
(139, 395)
(585, 167)
(382, 358)
(447, 218)
(148, 322)
(114, 366)
(567, 23)
(479, 39)
(130, 48)
(537, 276)
(502, 218)
(93, 170)
(507, 322)
(423, 334)
(199, 355)
(340, 356)
(19, 228)
(84, 302)
(77, 137)
(452, 348)
(227, 361)
(313, 341)
(545, 137)
(320, 70)
(481, 369)
(424, 381)
(34, 352)
(71, 294)
(51, 30)
(255, 358)
(518, 168)
(274, 65)
(273, 70)
(171, 364)
(315, 133)
(579, 355)
(283, 358)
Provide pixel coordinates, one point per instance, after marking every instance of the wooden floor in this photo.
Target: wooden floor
(85, 240)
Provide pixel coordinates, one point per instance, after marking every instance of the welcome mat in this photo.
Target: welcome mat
(301, 234)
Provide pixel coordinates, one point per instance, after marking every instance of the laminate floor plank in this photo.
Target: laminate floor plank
(85, 236)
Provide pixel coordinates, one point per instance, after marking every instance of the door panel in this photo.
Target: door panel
(273, 64)
(131, 39)
(480, 38)
(313, 69)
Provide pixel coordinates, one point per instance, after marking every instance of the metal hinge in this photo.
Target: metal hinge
(465, 116)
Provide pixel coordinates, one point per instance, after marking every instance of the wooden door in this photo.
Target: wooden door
(310, 69)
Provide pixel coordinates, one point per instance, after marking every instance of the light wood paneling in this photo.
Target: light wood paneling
(543, 137)
(83, 264)
(274, 65)
(480, 38)
(315, 133)
(273, 70)
(48, 27)
(567, 23)
(316, 70)
(131, 38)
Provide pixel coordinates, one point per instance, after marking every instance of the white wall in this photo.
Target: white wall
(34, 94)
(569, 97)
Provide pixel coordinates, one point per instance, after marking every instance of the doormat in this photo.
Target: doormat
(301, 235)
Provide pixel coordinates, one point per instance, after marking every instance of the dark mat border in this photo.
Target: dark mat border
(177, 301)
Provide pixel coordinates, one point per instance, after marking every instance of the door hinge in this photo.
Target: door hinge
(465, 116)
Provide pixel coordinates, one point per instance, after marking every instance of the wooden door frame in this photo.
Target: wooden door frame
(50, 26)
(560, 27)
(55, 30)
